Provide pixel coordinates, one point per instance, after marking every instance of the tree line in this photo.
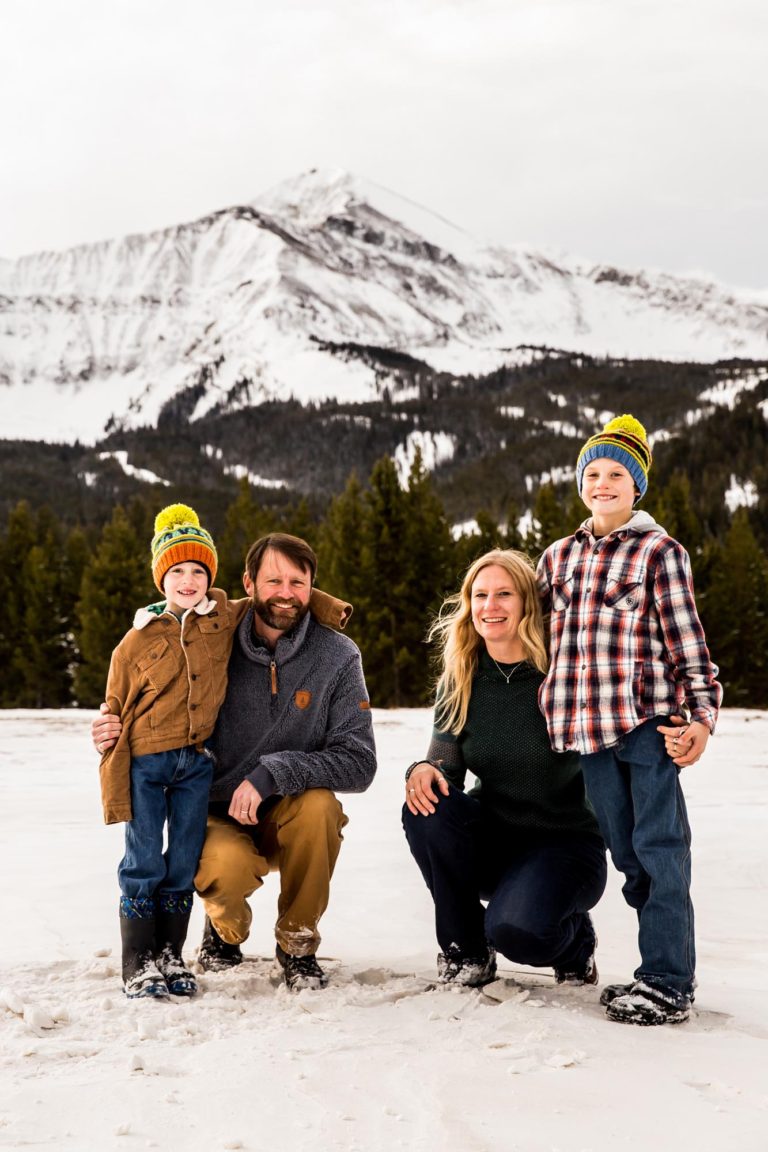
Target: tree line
(69, 595)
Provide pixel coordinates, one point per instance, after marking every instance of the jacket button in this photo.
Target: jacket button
(192, 707)
(194, 675)
(193, 735)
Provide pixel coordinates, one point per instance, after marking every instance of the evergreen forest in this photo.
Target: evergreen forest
(70, 590)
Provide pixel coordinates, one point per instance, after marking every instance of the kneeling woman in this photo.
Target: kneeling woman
(524, 838)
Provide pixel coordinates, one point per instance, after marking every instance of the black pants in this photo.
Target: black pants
(539, 888)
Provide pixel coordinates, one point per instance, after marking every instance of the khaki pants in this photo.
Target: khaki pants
(300, 837)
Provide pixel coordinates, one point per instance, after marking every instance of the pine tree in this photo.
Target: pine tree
(76, 555)
(340, 547)
(430, 557)
(474, 544)
(675, 513)
(42, 662)
(734, 611)
(405, 559)
(115, 582)
(385, 599)
(19, 539)
(245, 522)
(551, 520)
(297, 520)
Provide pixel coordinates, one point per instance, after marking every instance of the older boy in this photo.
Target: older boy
(627, 653)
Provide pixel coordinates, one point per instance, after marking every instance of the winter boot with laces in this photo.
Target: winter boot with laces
(613, 991)
(141, 976)
(454, 967)
(170, 933)
(214, 954)
(300, 971)
(648, 1004)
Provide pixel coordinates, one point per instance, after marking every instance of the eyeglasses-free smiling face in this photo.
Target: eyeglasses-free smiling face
(280, 592)
(608, 491)
(497, 609)
(185, 585)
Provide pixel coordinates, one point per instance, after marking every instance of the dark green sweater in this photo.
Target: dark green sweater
(505, 745)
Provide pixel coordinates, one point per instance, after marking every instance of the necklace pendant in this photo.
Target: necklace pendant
(507, 675)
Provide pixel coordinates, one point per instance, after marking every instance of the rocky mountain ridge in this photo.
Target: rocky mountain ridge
(319, 292)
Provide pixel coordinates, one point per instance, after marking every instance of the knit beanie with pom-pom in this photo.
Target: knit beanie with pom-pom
(179, 538)
(623, 439)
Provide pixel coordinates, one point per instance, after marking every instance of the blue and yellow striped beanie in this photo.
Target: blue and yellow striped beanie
(623, 439)
(179, 538)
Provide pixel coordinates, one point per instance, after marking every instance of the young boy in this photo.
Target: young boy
(166, 681)
(627, 653)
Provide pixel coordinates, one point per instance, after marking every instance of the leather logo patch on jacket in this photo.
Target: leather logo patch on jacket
(302, 698)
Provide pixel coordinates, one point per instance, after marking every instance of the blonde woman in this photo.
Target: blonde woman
(523, 839)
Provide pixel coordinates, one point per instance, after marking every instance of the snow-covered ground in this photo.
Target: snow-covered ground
(380, 1060)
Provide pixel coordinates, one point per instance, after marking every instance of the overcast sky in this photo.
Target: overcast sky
(627, 131)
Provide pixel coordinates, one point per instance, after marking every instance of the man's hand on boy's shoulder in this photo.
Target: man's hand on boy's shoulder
(105, 729)
(685, 741)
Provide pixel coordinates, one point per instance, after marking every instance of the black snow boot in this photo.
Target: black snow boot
(300, 971)
(214, 954)
(141, 976)
(171, 932)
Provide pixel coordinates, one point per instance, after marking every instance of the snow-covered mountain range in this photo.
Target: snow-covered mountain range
(251, 303)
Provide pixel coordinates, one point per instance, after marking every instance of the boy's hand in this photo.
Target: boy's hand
(685, 743)
(105, 729)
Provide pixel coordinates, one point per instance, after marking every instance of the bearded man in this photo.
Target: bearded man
(295, 728)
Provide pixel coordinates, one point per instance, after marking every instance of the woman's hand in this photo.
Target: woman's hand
(685, 743)
(421, 789)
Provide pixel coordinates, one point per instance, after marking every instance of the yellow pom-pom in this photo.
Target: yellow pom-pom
(174, 516)
(626, 424)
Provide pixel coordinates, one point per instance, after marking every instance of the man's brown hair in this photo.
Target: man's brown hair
(292, 547)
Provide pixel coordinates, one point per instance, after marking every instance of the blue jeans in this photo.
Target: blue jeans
(170, 786)
(539, 886)
(635, 792)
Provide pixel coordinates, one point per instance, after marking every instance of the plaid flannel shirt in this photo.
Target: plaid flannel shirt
(626, 640)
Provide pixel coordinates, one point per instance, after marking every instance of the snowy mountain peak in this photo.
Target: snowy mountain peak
(313, 198)
(255, 302)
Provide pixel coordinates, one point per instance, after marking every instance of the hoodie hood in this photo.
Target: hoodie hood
(639, 523)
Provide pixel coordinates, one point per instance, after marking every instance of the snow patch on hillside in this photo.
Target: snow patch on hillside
(435, 447)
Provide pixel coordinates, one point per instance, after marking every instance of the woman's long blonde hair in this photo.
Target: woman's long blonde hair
(459, 643)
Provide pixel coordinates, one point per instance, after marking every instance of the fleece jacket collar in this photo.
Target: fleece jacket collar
(152, 612)
(255, 649)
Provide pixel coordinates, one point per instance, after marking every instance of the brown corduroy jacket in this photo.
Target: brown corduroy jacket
(167, 682)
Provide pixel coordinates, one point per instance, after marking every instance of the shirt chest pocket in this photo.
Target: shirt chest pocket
(626, 588)
(157, 667)
(562, 586)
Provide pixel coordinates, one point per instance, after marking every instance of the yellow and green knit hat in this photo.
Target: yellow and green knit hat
(623, 439)
(179, 538)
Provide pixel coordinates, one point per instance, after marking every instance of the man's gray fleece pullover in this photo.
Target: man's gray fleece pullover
(295, 718)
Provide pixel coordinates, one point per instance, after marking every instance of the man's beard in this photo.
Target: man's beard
(281, 621)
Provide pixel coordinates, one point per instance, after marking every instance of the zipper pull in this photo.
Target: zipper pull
(273, 676)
